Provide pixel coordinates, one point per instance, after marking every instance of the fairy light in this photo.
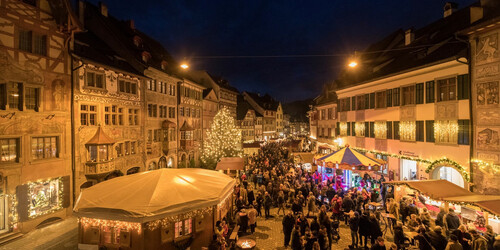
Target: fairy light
(343, 128)
(486, 166)
(165, 222)
(407, 130)
(446, 131)
(92, 222)
(380, 130)
(223, 139)
(41, 199)
(359, 127)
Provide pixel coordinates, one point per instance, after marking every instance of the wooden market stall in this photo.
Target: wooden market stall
(160, 209)
(446, 194)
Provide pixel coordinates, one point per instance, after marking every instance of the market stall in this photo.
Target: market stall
(475, 209)
(350, 164)
(160, 209)
(232, 165)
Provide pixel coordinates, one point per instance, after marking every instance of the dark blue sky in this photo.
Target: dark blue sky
(193, 29)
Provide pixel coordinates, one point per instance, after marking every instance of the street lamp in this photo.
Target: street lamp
(353, 64)
(184, 66)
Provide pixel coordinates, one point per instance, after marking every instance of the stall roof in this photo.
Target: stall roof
(231, 163)
(153, 195)
(350, 157)
(305, 157)
(435, 189)
(447, 191)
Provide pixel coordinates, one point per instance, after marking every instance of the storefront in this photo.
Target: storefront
(408, 170)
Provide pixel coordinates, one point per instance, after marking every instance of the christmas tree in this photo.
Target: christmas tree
(223, 140)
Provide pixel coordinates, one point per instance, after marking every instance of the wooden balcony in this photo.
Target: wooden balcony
(98, 168)
(187, 144)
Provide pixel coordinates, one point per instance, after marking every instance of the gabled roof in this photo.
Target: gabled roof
(206, 79)
(100, 138)
(432, 44)
(266, 101)
(186, 127)
(223, 83)
(242, 108)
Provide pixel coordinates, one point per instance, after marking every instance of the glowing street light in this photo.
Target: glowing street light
(184, 66)
(353, 64)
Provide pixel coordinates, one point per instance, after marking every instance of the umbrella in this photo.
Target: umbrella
(351, 159)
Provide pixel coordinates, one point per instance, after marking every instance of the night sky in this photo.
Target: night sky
(251, 36)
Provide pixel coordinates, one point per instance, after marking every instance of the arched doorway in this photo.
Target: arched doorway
(133, 170)
(170, 163)
(152, 166)
(183, 161)
(191, 162)
(162, 163)
(450, 174)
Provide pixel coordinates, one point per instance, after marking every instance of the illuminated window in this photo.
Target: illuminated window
(19, 97)
(407, 130)
(88, 115)
(408, 95)
(380, 130)
(446, 131)
(381, 99)
(446, 89)
(343, 128)
(359, 129)
(44, 197)
(133, 149)
(44, 147)
(9, 150)
(119, 149)
(183, 228)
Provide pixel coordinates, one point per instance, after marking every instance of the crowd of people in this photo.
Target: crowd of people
(314, 206)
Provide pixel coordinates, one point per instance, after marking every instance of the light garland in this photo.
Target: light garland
(224, 200)
(407, 130)
(13, 216)
(485, 166)
(33, 197)
(446, 131)
(432, 165)
(91, 222)
(380, 130)
(165, 222)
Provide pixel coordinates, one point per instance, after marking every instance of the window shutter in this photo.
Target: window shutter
(372, 129)
(337, 129)
(37, 99)
(419, 89)
(389, 98)
(396, 130)
(420, 131)
(372, 100)
(348, 128)
(463, 87)
(429, 131)
(463, 132)
(22, 202)
(367, 101)
(353, 103)
(3, 96)
(430, 93)
(367, 129)
(353, 125)
(389, 130)
(21, 96)
(66, 198)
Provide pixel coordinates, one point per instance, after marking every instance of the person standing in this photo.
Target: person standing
(251, 196)
(364, 228)
(354, 226)
(268, 202)
(296, 241)
(453, 244)
(311, 204)
(375, 231)
(252, 218)
(437, 238)
(347, 206)
(281, 202)
(288, 224)
(478, 241)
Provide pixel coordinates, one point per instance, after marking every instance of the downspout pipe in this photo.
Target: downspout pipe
(471, 115)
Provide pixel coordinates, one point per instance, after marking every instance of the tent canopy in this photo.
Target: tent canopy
(351, 157)
(446, 191)
(152, 195)
(231, 163)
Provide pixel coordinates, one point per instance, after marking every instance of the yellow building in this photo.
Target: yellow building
(35, 114)
(325, 113)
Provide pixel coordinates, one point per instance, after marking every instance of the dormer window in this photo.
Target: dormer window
(164, 65)
(137, 41)
(146, 56)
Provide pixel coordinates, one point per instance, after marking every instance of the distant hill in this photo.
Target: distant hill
(298, 110)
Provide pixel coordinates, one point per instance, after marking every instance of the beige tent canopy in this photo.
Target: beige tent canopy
(444, 190)
(154, 194)
(231, 163)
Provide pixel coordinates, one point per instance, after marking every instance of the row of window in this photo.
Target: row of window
(161, 87)
(19, 96)
(161, 135)
(32, 42)
(247, 133)
(440, 131)
(191, 93)
(330, 112)
(113, 115)
(454, 88)
(189, 112)
(46, 147)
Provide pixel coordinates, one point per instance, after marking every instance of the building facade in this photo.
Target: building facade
(210, 109)
(325, 114)
(35, 114)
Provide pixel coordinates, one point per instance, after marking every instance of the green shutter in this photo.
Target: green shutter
(429, 131)
(389, 130)
(463, 87)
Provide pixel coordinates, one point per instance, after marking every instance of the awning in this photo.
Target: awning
(100, 138)
(351, 157)
(231, 163)
(444, 190)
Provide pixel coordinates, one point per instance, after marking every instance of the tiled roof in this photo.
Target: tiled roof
(242, 108)
(266, 101)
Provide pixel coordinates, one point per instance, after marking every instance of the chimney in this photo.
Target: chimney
(409, 36)
(103, 8)
(131, 24)
(449, 8)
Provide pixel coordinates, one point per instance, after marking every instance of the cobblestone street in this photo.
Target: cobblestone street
(269, 234)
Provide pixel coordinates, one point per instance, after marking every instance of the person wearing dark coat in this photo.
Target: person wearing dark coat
(379, 245)
(303, 223)
(440, 217)
(437, 239)
(251, 196)
(364, 228)
(375, 230)
(315, 225)
(463, 237)
(296, 207)
(296, 241)
(347, 206)
(452, 221)
(399, 236)
(423, 240)
(288, 223)
(354, 226)
(268, 202)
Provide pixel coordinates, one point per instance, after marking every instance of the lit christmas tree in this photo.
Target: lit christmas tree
(223, 140)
